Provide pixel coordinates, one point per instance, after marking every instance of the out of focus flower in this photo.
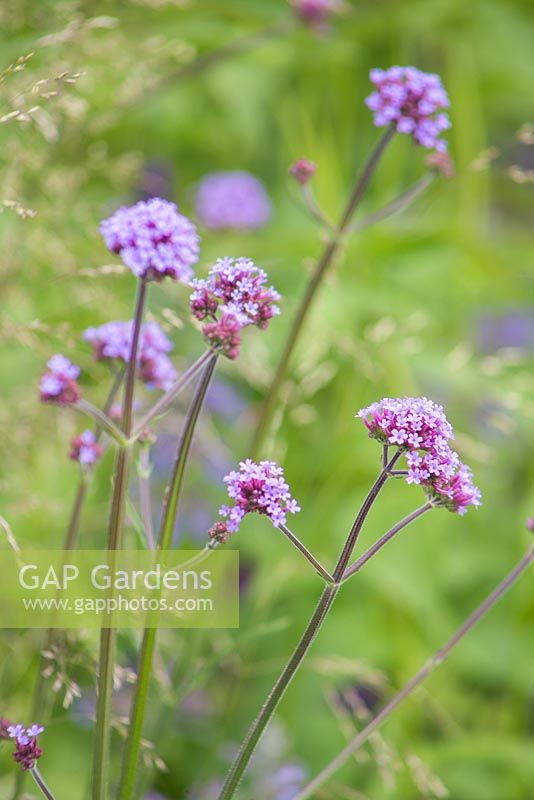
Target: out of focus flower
(5, 725)
(113, 341)
(225, 400)
(271, 776)
(530, 523)
(411, 100)
(303, 170)
(27, 750)
(85, 449)
(317, 13)
(420, 429)
(233, 200)
(441, 162)
(236, 289)
(255, 488)
(515, 328)
(58, 384)
(153, 239)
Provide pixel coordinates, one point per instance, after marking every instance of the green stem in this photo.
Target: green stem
(172, 497)
(167, 398)
(38, 778)
(102, 420)
(437, 659)
(301, 547)
(116, 522)
(399, 204)
(69, 543)
(325, 261)
(145, 499)
(322, 609)
(379, 544)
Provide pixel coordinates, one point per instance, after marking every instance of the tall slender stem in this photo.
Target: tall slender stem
(145, 499)
(324, 605)
(38, 778)
(101, 419)
(332, 247)
(69, 543)
(355, 531)
(399, 204)
(437, 659)
(275, 695)
(295, 541)
(116, 522)
(379, 544)
(172, 497)
(167, 398)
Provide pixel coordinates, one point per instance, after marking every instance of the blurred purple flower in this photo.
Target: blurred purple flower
(232, 200)
(153, 240)
(85, 449)
(224, 400)
(113, 341)
(412, 100)
(58, 384)
(303, 170)
(512, 329)
(317, 13)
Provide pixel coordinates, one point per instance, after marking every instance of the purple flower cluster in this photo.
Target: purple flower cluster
(303, 170)
(224, 335)
(58, 384)
(85, 449)
(232, 200)
(317, 13)
(153, 240)
(420, 428)
(27, 749)
(259, 488)
(412, 100)
(235, 294)
(113, 341)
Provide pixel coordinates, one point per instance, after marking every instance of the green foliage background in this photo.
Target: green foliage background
(398, 316)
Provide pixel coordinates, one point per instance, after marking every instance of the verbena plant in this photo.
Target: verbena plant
(156, 242)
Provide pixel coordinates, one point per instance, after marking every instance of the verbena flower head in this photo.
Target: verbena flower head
(254, 488)
(153, 239)
(85, 449)
(27, 750)
(235, 286)
(420, 429)
(303, 170)
(58, 384)
(317, 13)
(235, 294)
(233, 200)
(409, 422)
(413, 101)
(113, 341)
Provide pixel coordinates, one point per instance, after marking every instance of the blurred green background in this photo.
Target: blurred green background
(437, 300)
